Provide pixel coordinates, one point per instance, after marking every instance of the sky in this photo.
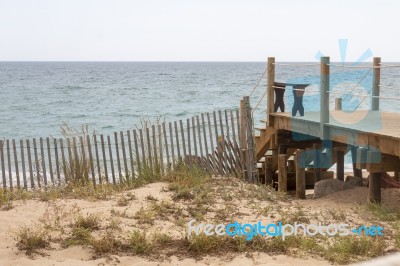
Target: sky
(196, 30)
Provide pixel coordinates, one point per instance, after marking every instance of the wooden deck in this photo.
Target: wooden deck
(372, 129)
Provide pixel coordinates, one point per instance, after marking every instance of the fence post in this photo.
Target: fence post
(376, 79)
(324, 97)
(242, 137)
(270, 89)
(251, 163)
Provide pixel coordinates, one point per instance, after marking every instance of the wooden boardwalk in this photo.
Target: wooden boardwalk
(316, 141)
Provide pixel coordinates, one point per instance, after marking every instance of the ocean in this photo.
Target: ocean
(37, 97)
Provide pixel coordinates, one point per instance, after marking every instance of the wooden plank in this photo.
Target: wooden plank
(382, 162)
(166, 147)
(238, 123)
(111, 159)
(204, 134)
(49, 157)
(57, 162)
(227, 125)
(16, 163)
(194, 137)
(177, 141)
(84, 161)
(104, 156)
(150, 159)
(71, 163)
(160, 147)
(121, 135)
(220, 163)
(317, 162)
(128, 133)
(210, 133)
(324, 98)
(96, 152)
(199, 135)
(171, 139)
(268, 171)
(3, 169)
(43, 162)
(282, 173)
(76, 159)
(233, 126)
(142, 146)
(361, 158)
(91, 160)
(35, 149)
(183, 140)
(188, 139)
(30, 165)
(356, 172)
(155, 150)
(117, 154)
(9, 165)
(64, 164)
(300, 176)
(376, 80)
(21, 144)
(135, 141)
(270, 90)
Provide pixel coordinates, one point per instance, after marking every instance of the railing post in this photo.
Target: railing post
(338, 104)
(270, 89)
(324, 94)
(376, 80)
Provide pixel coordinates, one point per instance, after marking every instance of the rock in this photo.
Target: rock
(354, 180)
(329, 186)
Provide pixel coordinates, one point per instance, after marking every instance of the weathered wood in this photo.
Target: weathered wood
(16, 163)
(218, 150)
(183, 139)
(166, 147)
(76, 159)
(30, 165)
(282, 172)
(250, 142)
(50, 164)
(155, 150)
(268, 170)
(233, 126)
(204, 134)
(376, 80)
(199, 135)
(361, 162)
(58, 173)
(104, 157)
(340, 165)
(242, 138)
(188, 138)
(171, 139)
(71, 166)
(210, 133)
(324, 98)
(228, 135)
(117, 154)
(356, 172)
(177, 141)
(300, 176)
(83, 160)
(194, 137)
(35, 149)
(149, 155)
(160, 146)
(144, 162)
(9, 165)
(21, 144)
(238, 124)
(111, 159)
(374, 191)
(96, 151)
(317, 162)
(270, 90)
(381, 162)
(3, 169)
(64, 163)
(91, 160)
(121, 135)
(138, 163)
(128, 133)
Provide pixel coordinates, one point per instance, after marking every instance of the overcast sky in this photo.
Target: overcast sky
(201, 30)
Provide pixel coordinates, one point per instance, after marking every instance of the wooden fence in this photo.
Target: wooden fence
(209, 140)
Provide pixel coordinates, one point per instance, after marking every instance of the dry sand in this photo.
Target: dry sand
(34, 212)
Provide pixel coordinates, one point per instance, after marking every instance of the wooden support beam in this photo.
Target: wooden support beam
(340, 165)
(324, 97)
(361, 162)
(317, 162)
(270, 90)
(268, 170)
(374, 194)
(282, 172)
(300, 176)
(356, 172)
(380, 162)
